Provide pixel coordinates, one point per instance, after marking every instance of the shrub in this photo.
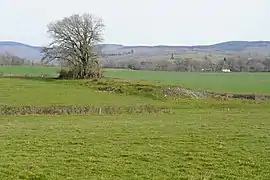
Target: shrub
(65, 74)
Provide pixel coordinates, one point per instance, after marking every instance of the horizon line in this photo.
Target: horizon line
(148, 45)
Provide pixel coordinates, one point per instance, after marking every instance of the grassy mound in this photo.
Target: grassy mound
(47, 92)
(161, 92)
(241, 83)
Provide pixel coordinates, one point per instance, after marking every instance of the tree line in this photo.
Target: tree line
(7, 59)
(72, 45)
(235, 64)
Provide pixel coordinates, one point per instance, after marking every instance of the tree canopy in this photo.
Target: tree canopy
(73, 41)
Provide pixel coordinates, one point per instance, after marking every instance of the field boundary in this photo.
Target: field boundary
(83, 110)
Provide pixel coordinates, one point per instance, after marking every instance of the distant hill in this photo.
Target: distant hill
(34, 52)
(21, 50)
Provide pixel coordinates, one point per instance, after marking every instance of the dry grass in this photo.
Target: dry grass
(81, 110)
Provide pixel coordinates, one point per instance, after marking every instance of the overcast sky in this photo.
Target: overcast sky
(143, 22)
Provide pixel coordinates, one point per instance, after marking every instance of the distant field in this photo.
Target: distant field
(32, 70)
(220, 82)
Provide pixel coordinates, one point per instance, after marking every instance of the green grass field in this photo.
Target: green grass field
(200, 139)
(38, 92)
(207, 144)
(220, 82)
(32, 70)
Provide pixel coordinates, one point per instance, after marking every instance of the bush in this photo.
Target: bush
(65, 74)
(76, 73)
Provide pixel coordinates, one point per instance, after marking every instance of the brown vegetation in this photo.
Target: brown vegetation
(65, 110)
(183, 62)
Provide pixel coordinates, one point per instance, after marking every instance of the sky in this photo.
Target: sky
(142, 22)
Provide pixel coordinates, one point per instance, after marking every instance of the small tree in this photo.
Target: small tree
(74, 40)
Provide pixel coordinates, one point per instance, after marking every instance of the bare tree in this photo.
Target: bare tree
(162, 65)
(179, 65)
(189, 63)
(10, 59)
(266, 63)
(74, 40)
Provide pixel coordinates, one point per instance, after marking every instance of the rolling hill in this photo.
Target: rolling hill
(21, 50)
(33, 52)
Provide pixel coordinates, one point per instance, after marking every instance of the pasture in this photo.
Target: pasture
(258, 83)
(197, 139)
(219, 82)
(30, 70)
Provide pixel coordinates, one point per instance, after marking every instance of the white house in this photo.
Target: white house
(226, 70)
